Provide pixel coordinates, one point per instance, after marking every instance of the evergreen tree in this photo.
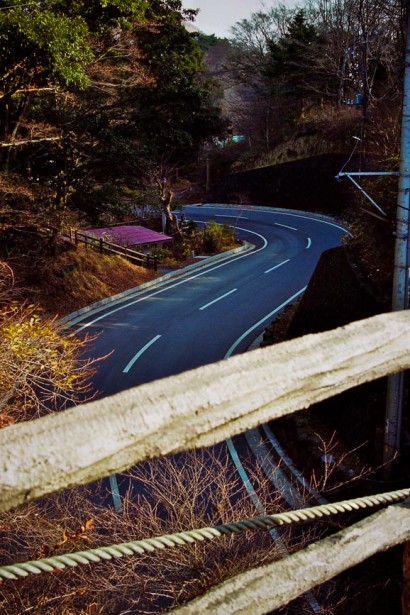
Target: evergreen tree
(178, 113)
(293, 58)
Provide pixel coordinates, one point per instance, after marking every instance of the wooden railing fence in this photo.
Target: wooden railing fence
(203, 407)
(107, 247)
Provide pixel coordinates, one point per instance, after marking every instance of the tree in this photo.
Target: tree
(179, 112)
(363, 45)
(49, 52)
(292, 69)
(251, 39)
(165, 196)
(249, 101)
(50, 44)
(86, 109)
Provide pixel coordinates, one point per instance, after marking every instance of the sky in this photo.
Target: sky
(217, 16)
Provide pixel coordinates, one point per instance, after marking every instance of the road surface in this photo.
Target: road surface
(209, 314)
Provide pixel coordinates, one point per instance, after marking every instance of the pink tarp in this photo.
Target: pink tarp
(128, 235)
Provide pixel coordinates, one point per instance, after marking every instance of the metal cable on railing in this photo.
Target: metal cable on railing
(139, 547)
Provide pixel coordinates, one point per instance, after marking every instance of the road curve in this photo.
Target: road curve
(209, 314)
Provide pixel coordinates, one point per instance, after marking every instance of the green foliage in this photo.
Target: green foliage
(97, 204)
(102, 16)
(39, 46)
(212, 239)
(206, 41)
(217, 237)
(293, 66)
(53, 41)
(178, 113)
(111, 88)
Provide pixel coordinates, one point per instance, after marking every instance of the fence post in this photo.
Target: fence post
(75, 237)
(405, 604)
(148, 261)
(101, 246)
(155, 263)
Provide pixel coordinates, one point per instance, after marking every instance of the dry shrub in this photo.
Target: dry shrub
(190, 490)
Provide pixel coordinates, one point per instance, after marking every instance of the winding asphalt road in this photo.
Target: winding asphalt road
(211, 313)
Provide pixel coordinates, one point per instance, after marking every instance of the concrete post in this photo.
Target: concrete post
(394, 403)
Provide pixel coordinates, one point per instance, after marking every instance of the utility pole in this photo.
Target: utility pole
(400, 300)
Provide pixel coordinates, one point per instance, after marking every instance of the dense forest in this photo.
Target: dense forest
(110, 109)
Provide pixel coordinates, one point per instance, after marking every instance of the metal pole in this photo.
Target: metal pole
(405, 603)
(365, 94)
(401, 268)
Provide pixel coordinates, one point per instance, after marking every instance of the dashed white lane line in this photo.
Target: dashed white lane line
(230, 216)
(309, 243)
(218, 299)
(183, 281)
(139, 353)
(277, 266)
(292, 228)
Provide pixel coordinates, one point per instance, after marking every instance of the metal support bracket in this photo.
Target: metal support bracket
(350, 175)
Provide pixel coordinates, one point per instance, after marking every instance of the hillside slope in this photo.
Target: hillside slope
(75, 278)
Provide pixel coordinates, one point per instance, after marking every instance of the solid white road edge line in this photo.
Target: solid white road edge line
(137, 356)
(255, 326)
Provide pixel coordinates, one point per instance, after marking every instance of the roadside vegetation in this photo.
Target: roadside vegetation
(111, 112)
(192, 490)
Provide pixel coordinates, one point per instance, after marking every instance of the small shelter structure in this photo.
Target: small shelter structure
(129, 235)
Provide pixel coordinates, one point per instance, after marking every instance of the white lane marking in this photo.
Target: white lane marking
(184, 281)
(289, 463)
(309, 243)
(341, 228)
(218, 299)
(262, 320)
(115, 492)
(277, 266)
(262, 512)
(292, 228)
(282, 213)
(272, 470)
(252, 493)
(137, 356)
(236, 217)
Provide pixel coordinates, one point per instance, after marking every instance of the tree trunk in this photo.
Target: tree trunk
(172, 225)
(23, 110)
